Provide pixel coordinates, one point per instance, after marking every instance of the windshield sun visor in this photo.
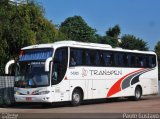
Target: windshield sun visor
(36, 54)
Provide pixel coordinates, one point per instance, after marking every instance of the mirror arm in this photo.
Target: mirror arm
(8, 65)
(47, 63)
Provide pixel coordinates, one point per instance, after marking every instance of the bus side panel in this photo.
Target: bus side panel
(149, 82)
(126, 83)
(77, 83)
(98, 88)
(61, 91)
(76, 80)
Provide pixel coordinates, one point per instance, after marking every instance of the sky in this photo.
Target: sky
(136, 17)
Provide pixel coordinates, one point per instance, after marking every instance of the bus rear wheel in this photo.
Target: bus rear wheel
(138, 94)
(76, 97)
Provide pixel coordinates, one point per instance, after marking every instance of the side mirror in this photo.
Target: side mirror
(8, 65)
(47, 63)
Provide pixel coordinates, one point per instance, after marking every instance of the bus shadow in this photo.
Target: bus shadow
(67, 104)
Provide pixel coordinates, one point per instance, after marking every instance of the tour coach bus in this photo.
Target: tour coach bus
(75, 71)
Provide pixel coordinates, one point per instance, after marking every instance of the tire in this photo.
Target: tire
(7, 98)
(137, 94)
(76, 97)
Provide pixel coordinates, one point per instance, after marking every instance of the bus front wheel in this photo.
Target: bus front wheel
(76, 97)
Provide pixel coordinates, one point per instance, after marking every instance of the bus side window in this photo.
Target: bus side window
(138, 62)
(72, 60)
(76, 57)
(119, 59)
(144, 61)
(59, 65)
(125, 60)
(79, 57)
(152, 61)
(97, 58)
(87, 58)
(102, 63)
(107, 58)
(94, 58)
(132, 60)
(116, 59)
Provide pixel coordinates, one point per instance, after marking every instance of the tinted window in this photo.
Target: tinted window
(88, 57)
(76, 57)
(107, 58)
(59, 65)
(138, 61)
(84, 57)
(94, 58)
(125, 59)
(119, 59)
(152, 61)
(143, 61)
(132, 60)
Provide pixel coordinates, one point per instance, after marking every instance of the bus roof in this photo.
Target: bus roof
(84, 45)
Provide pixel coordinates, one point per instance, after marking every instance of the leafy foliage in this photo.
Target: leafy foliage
(77, 29)
(22, 25)
(111, 36)
(114, 32)
(133, 43)
(157, 50)
(108, 40)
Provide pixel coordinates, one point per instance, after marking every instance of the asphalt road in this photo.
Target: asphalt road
(121, 108)
(148, 104)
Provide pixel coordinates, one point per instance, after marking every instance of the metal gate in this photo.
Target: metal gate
(7, 90)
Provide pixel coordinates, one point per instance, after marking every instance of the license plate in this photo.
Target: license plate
(28, 98)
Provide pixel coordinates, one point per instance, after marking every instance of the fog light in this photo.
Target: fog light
(46, 98)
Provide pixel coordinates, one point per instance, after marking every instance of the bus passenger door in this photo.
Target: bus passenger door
(59, 79)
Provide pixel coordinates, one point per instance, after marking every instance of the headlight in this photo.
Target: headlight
(17, 93)
(41, 93)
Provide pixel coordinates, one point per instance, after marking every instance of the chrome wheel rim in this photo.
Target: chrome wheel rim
(76, 97)
(138, 94)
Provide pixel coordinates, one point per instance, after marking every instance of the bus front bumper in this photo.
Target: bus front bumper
(33, 98)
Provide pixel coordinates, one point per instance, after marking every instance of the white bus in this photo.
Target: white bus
(75, 71)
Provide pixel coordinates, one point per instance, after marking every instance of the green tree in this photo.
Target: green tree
(133, 43)
(114, 32)
(111, 36)
(22, 25)
(157, 50)
(108, 40)
(77, 29)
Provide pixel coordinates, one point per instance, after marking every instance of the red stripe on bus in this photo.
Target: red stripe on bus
(117, 86)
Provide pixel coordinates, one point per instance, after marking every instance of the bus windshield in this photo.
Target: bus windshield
(30, 70)
(31, 74)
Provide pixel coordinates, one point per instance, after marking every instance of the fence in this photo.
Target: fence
(7, 90)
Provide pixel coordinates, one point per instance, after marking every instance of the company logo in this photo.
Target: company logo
(84, 72)
(105, 72)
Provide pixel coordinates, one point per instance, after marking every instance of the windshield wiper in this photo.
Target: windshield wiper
(34, 84)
